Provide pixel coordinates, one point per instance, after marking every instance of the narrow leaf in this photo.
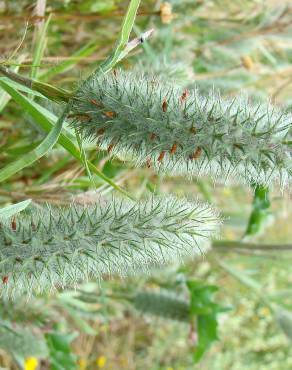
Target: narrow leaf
(39, 48)
(10, 211)
(123, 39)
(29, 158)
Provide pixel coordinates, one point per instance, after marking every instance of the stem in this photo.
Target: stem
(237, 246)
(45, 89)
(16, 77)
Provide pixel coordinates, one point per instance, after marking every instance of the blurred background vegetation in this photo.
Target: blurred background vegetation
(237, 47)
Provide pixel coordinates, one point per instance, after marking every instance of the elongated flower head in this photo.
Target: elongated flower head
(179, 132)
(164, 304)
(57, 247)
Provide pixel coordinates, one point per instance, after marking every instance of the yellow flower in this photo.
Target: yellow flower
(101, 361)
(31, 363)
(247, 62)
(82, 363)
(226, 191)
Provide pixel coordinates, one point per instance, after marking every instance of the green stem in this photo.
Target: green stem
(288, 142)
(235, 246)
(51, 92)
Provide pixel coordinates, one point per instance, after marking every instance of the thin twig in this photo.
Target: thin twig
(83, 17)
(236, 246)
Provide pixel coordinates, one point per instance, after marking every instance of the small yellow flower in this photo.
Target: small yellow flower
(82, 363)
(226, 191)
(31, 363)
(247, 62)
(101, 361)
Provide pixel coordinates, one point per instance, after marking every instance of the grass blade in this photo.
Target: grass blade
(123, 39)
(39, 151)
(51, 92)
(22, 88)
(10, 211)
(39, 48)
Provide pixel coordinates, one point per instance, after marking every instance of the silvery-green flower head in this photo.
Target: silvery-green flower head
(180, 132)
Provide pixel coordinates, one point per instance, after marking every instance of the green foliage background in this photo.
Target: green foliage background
(235, 46)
